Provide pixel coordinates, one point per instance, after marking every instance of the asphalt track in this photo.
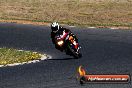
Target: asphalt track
(104, 51)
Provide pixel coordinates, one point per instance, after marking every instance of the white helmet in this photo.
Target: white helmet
(54, 27)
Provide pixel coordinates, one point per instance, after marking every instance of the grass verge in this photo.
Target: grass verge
(10, 56)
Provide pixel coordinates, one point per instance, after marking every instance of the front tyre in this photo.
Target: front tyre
(80, 55)
(75, 54)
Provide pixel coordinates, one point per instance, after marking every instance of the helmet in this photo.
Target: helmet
(54, 27)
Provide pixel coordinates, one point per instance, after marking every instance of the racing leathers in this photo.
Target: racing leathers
(60, 32)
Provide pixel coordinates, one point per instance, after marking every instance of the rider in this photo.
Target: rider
(57, 29)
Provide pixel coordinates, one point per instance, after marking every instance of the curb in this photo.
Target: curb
(97, 27)
(92, 27)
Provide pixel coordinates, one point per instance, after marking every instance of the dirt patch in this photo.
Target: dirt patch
(117, 13)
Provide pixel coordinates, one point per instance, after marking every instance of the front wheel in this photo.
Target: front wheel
(74, 53)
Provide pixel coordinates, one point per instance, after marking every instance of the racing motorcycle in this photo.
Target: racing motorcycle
(67, 42)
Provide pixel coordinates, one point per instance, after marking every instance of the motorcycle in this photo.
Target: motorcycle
(67, 42)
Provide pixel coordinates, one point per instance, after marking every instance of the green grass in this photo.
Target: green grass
(10, 56)
(72, 12)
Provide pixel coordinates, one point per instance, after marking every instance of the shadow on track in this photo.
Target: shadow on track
(63, 59)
